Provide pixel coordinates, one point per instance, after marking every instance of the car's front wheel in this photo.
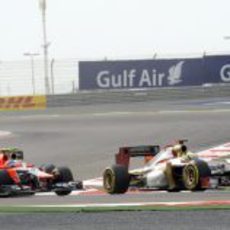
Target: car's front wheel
(194, 174)
(64, 175)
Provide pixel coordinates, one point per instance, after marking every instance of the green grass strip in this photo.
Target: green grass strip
(35, 209)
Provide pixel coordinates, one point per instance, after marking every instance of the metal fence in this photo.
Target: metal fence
(16, 77)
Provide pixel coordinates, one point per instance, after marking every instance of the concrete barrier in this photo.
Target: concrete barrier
(102, 97)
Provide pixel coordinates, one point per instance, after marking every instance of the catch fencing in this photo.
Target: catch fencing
(65, 89)
(22, 78)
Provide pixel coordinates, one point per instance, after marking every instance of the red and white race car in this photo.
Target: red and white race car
(206, 169)
(18, 177)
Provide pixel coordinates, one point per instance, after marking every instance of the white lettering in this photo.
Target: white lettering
(125, 79)
(145, 79)
(225, 73)
(154, 77)
(116, 81)
(103, 79)
(131, 76)
(160, 78)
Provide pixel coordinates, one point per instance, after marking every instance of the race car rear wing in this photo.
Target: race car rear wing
(125, 153)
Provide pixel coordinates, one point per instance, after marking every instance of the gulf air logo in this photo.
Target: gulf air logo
(140, 78)
(175, 73)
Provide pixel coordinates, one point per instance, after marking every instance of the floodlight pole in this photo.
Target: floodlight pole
(45, 46)
(31, 55)
(52, 75)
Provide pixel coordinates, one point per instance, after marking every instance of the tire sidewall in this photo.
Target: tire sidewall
(116, 179)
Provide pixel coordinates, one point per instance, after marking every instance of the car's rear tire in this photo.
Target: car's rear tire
(193, 174)
(48, 168)
(64, 174)
(116, 179)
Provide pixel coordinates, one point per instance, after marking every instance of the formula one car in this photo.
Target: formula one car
(206, 169)
(20, 178)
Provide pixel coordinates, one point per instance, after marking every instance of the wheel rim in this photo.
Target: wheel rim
(108, 180)
(191, 177)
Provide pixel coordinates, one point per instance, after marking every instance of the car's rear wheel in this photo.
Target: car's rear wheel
(64, 174)
(48, 168)
(116, 179)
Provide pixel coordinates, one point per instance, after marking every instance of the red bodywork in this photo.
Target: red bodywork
(6, 164)
(125, 153)
(146, 151)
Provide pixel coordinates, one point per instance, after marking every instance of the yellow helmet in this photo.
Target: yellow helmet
(177, 150)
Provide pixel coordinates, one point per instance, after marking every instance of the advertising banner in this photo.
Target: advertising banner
(217, 69)
(154, 73)
(22, 102)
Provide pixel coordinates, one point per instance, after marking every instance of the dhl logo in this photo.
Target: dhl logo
(22, 102)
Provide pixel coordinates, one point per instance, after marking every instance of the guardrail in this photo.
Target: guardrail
(102, 97)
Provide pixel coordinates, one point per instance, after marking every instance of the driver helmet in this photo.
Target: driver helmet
(177, 150)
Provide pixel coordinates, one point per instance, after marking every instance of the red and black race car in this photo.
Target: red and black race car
(18, 177)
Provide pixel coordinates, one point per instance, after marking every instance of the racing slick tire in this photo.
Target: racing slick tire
(116, 179)
(48, 168)
(64, 175)
(194, 173)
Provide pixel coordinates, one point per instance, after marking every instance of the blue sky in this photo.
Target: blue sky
(88, 29)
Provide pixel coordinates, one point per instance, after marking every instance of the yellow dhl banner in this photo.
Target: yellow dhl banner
(22, 102)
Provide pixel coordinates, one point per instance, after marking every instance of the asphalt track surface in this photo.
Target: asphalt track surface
(199, 220)
(86, 137)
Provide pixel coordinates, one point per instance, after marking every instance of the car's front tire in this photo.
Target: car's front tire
(64, 175)
(193, 174)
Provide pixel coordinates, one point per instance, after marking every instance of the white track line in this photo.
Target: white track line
(137, 204)
(4, 134)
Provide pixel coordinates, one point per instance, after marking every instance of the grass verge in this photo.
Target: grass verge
(60, 209)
